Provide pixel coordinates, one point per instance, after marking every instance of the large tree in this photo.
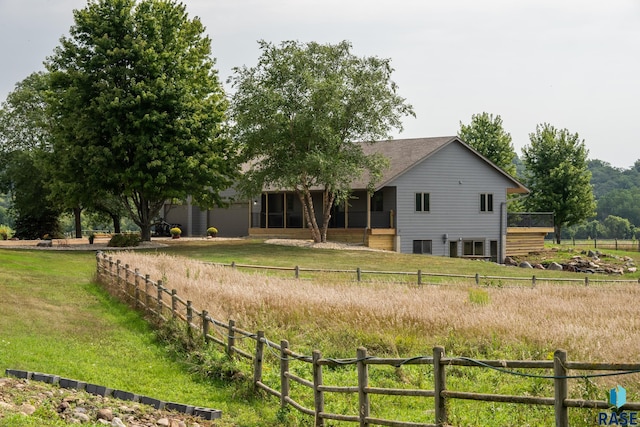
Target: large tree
(487, 136)
(138, 107)
(558, 177)
(301, 115)
(25, 157)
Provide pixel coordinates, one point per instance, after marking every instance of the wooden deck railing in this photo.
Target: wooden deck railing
(142, 293)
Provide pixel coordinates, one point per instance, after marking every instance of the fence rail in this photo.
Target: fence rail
(422, 276)
(153, 298)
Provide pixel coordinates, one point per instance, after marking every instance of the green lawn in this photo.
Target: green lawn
(56, 320)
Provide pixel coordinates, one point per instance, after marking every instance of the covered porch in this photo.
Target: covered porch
(365, 220)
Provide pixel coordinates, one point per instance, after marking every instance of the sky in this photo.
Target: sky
(574, 64)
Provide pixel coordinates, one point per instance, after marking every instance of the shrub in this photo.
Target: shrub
(175, 231)
(124, 240)
(212, 231)
(5, 232)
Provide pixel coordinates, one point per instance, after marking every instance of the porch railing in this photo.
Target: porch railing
(530, 219)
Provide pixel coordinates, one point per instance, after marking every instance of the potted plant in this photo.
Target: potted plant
(212, 232)
(175, 232)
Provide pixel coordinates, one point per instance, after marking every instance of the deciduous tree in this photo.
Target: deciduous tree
(301, 115)
(25, 150)
(138, 108)
(558, 177)
(487, 136)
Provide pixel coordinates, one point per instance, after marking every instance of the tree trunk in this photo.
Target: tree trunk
(116, 223)
(558, 229)
(309, 213)
(328, 200)
(78, 221)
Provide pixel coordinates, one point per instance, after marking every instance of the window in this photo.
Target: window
(486, 202)
(377, 202)
(422, 202)
(422, 247)
(473, 248)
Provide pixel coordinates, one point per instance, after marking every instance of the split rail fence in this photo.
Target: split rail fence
(421, 277)
(152, 297)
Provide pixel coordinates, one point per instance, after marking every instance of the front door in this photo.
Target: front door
(453, 249)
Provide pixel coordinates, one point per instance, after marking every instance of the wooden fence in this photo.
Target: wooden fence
(153, 298)
(421, 277)
(613, 244)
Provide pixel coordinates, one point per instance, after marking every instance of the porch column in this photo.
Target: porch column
(368, 211)
(346, 214)
(284, 210)
(266, 210)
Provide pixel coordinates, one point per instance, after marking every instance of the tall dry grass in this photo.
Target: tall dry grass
(595, 324)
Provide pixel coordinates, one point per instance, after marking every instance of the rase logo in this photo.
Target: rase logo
(617, 417)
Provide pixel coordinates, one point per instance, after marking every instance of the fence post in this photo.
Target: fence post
(560, 388)
(189, 313)
(174, 303)
(419, 277)
(318, 396)
(159, 305)
(233, 264)
(205, 325)
(137, 288)
(297, 272)
(440, 384)
(616, 244)
(231, 338)
(359, 274)
(533, 281)
(257, 362)
(126, 282)
(118, 284)
(147, 297)
(477, 279)
(189, 320)
(284, 370)
(586, 280)
(363, 382)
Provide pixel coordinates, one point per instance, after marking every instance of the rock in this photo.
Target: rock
(163, 422)
(554, 266)
(45, 244)
(27, 409)
(105, 414)
(5, 405)
(117, 422)
(539, 267)
(82, 417)
(525, 264)
(509, 261)
(63, 406)
(632, 269)
(591, 254)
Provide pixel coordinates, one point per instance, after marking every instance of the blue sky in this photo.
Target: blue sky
(573, 64)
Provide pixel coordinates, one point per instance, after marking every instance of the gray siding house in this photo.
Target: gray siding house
(439, 196)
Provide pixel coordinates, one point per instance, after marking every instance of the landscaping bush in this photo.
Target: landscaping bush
(5, 232)
(124, 240)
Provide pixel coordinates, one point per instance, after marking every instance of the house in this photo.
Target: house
(439, 196)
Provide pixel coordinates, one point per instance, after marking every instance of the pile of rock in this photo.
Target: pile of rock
(79, 407)
(589, 262)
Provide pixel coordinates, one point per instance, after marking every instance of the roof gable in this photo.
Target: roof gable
(405, 154)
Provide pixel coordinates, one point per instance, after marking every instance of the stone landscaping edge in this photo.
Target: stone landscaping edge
(204, 413)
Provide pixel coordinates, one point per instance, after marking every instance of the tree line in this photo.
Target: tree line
(130, 113)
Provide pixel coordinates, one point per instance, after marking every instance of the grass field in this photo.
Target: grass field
(55, 319)
(81, 333)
